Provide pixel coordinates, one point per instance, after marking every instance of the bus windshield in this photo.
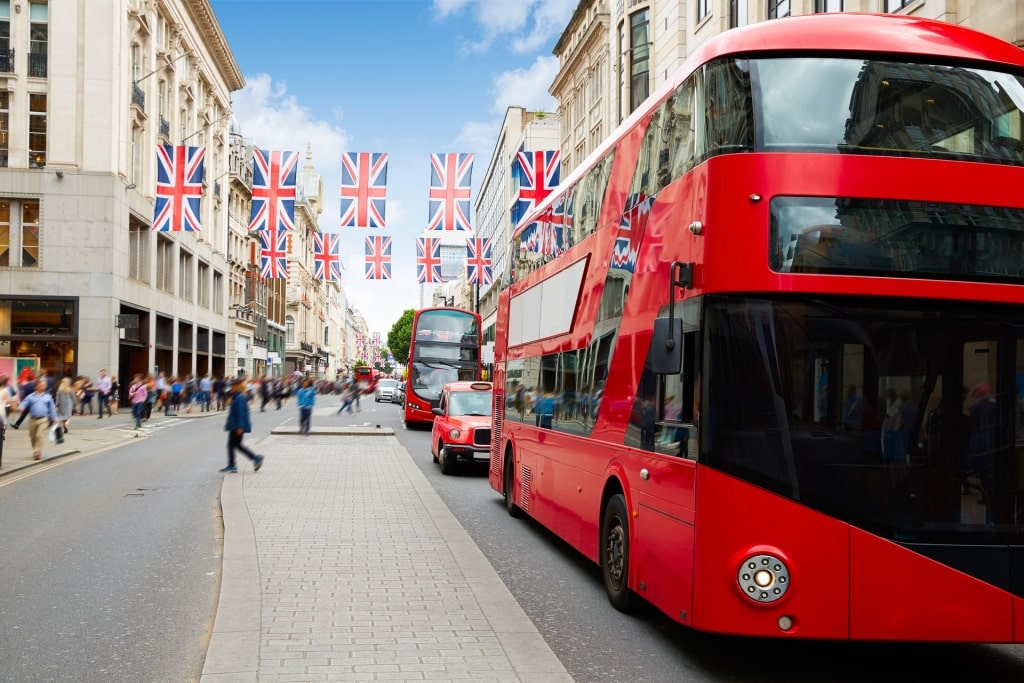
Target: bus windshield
(879, 107)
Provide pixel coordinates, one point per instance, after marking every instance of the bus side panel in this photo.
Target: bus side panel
(661, 563)
(897, 594)
(564, 491)
(736, 521)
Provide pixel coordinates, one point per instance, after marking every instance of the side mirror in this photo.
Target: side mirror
(437, 411)
(666, 353)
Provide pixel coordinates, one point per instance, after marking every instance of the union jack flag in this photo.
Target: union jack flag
(478, 261)
(273, 190)
(364, 176)
(449, 191)
(360, 339)
(273, 255)
(376, 339)
(428, 259)
(538, 176)
(179, 187)
(632, 227)
(327, 256)
(378, 258)
(377, 358)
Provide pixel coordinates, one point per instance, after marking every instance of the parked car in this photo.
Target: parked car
(398, 395)
(462, 425)
(385, 389)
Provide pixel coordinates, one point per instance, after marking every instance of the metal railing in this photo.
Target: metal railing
(138, 97)
(37, 64)
(7, 61)
(165, 127)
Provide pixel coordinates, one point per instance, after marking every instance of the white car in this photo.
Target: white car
(385, 390)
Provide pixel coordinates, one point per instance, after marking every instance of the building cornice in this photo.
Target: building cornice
(206, 23)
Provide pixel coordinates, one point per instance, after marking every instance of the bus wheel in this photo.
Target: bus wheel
(615, 553)
(509, 482)
(446, 460)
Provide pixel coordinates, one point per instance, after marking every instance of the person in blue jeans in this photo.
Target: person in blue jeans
(307, 399)
(238, 425)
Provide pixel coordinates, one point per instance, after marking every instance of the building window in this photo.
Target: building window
(828, 5)
(138, 251)
(6, 54)
(703, 10)
(37, 130)
(203, 279)
(896, 5)
(778, 9)
(185, 276)
(289, 330)
(164, 264)
(38, 38)
(327, 335)
(30, 234)
(218, 293)
(738, 10)
(5, 124)
(639, 61)
(19, 233)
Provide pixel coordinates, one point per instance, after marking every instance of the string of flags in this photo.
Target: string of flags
(363, 197)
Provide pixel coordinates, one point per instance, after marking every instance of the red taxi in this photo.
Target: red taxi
(462, 425)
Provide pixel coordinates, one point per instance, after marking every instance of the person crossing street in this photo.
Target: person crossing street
(238, 425)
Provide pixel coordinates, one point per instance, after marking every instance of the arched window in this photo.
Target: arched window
(289, 325)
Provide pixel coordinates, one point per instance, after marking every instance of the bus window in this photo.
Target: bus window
(728, 113)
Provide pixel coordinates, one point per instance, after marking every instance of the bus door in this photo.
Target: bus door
(663, 423)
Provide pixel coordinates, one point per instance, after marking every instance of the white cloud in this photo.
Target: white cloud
(527, 88)
(522, 26)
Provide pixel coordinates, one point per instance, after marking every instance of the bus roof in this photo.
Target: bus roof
(829, 32)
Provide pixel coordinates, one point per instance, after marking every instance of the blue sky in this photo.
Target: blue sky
(405, 77)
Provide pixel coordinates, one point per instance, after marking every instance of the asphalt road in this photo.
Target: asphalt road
(110, 563)
(562, 593)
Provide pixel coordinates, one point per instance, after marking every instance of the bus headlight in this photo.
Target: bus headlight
(763, 578)
(454, 433)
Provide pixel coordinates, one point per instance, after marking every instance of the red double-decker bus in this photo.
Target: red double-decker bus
(761, 356)
(444, 347)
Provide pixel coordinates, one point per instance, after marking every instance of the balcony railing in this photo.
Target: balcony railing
(37, 64)
(7, 61)
(138, 97)
(3, 158)
(165, 127)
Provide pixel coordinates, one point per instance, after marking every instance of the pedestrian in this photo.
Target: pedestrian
(176, 390)
(347, 396)
(152, 394)
(103, 394)
(238, 425)
(65, 404)
(306, 399)
(42, 412)
(115, 396)
(220, 387)
(8, 400)
(138, 395)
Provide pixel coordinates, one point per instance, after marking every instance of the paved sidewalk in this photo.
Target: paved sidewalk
(341, 563)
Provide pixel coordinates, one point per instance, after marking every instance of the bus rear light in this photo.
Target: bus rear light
(764, 578)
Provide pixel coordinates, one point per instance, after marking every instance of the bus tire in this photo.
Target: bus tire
(615, 554)
(508, 485)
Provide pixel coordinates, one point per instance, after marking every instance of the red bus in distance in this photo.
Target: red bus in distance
(761, 355)
(444, 347)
